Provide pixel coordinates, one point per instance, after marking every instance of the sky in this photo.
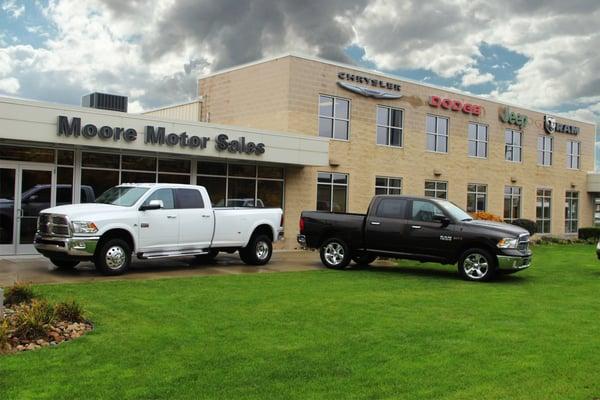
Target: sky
(541, 54)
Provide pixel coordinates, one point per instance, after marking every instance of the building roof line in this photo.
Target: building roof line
(198, 99)
(389, 76)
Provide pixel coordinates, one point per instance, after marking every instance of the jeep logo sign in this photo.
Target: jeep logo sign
(511, 117)
(551, 126)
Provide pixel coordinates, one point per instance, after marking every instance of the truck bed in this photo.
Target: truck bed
(322, 224)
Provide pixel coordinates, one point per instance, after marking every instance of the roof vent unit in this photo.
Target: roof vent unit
(105, 101)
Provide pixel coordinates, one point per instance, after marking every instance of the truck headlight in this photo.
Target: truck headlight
(84, 227)
(508, 243)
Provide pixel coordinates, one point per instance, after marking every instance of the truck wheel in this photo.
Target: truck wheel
(335, 253)
(258, 251)
(113, 257)
(363, 258)
(63, 263)
(477, 265)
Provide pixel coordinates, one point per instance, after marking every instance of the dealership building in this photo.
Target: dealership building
(302, 134)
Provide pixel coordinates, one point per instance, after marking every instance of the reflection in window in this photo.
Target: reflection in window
(476, 197)
(389, 126)
(512, 203)
(332, 192)
(388, 185)
(437, 133)
(334, 117)
(98, 180)
(436, 189)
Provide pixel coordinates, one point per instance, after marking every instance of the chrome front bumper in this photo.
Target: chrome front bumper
(512, 263)
(66, 246)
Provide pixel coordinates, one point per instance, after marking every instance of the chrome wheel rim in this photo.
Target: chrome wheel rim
(262, 250)
(476, 266)
(334, 253)
(115, 257)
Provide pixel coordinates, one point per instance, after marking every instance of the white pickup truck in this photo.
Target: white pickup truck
(153, 221)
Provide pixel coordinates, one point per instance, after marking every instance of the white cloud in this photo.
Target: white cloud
(473, 77)
(12, 8)
(9, 85)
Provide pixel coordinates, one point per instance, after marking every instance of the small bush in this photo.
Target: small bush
(589, 233)
(527, 224)
(4, 342)
(33, 320)
(69, 311)
(18, 293)
(487, 216)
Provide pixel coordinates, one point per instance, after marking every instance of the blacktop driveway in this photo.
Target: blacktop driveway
(37, 269)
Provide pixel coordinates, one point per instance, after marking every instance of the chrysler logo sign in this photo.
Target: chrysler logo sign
(375, 86)
(551, 126)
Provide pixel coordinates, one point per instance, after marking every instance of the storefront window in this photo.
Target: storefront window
(571, 212)
(99, 160)
(33, 154)
(137, 177)
(173, 178)
(543, 216)
(97, 181)
(388, 185)
(138, 163)
(512, 203)
(64, 157)
(216, 188)
(436, 189)
(242, 170)
(270, 193)
(173, 165)
(476, 197)
(240, 193)
(64, 187)
(211, 168)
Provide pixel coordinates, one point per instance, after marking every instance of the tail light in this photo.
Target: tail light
(281, 222)
(301, 224)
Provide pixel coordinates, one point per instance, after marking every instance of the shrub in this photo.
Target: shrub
(4, 342)
(32, 321)
(589, 233)
(527, 224)
(18, 293)
(69, 311)
(486, 216)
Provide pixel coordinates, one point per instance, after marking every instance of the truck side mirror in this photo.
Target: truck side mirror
(442, 219)
(152, 205)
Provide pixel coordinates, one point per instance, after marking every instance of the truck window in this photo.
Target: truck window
(166, 195)
(188, 198)
(424, 211)
(391, 208)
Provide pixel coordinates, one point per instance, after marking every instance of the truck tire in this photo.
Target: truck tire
(335, 253)
(65, 264)
(113, 257)
(258, 251)
(363, 259)
(477, 265)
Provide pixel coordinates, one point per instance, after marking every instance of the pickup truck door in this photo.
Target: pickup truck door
(196, 219)
(426, 235)
(159, 229)
(386, 225)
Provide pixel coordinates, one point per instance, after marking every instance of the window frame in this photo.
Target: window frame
(542, 152)
(477, 141)
(435, 189)
(476, 193)
(387, 186)
(436, 134)
(332, 117)
(573, 156)
(512, 196)
(331, 185)
(544, 218)
(569, 201)
(513, 146)
(389, 127)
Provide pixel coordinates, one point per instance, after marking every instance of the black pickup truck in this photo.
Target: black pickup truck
(417, 228)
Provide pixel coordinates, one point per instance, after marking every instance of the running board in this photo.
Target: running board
(166, 254)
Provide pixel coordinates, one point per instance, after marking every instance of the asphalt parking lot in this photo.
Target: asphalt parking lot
(37, 269)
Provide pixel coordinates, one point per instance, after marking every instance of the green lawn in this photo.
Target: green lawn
(413, 332)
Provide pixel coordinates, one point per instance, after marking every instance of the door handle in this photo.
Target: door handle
(205, 216)
(171, 216)
(416, 227)
(375, 223)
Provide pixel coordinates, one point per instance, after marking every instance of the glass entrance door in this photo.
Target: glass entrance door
(25, 190)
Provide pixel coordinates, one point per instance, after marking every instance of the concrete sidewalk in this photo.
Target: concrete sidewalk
(37, 269)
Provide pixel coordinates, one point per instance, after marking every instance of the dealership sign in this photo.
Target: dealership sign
(551, 126)
(156, 136)
(511, 117)
(372, 90)
(454, 105)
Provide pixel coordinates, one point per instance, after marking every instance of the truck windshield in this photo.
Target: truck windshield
(455, 211)
(124, 196)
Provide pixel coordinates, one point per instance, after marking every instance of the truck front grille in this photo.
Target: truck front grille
(523, 243)
(49, 224)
